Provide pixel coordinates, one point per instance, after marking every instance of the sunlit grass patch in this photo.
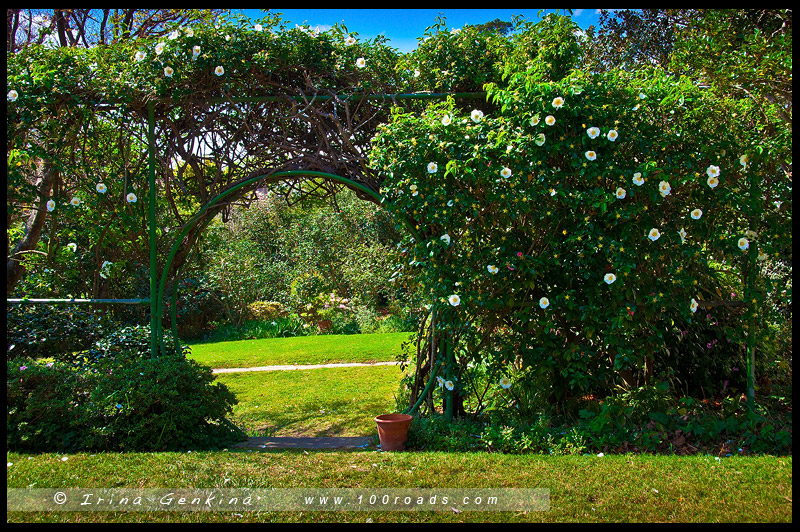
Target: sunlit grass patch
(318, 402)
(300, 350)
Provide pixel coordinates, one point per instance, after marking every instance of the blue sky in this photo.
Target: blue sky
(403, 26)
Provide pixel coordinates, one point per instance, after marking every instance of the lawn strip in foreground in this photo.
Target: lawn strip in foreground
(613, 488)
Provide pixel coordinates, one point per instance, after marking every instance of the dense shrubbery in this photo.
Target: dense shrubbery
(53, 331)
(646, 419)
(118, 400)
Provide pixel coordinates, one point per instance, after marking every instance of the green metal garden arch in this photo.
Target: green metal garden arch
(158, 282)
(157, 332)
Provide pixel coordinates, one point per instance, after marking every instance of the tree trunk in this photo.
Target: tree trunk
(15, 268)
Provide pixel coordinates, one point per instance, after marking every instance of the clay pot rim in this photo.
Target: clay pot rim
(393, 418)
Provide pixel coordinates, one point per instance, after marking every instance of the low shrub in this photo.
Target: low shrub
(435, 433)
(266, 311)
(45, 406)
(168, 403)
(120, 399)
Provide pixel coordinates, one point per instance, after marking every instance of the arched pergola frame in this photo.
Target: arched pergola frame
(159, 279)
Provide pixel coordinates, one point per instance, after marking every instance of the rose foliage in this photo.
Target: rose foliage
(586, 221)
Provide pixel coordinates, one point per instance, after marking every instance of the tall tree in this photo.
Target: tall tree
(90, 27)
(499, 26)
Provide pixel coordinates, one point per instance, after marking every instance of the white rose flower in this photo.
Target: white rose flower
(105, 269)
(743, 243)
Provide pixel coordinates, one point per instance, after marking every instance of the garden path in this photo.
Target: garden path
(292, 442)
(303, 366)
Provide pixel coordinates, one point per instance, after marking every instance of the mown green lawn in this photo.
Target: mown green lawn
(622, 488)
(321, 349)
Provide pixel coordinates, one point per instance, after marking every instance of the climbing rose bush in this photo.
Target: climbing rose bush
(584, 219)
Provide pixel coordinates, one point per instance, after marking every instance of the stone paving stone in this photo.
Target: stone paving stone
(289, 442)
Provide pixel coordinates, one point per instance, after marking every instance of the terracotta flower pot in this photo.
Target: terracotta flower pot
(393, 431)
